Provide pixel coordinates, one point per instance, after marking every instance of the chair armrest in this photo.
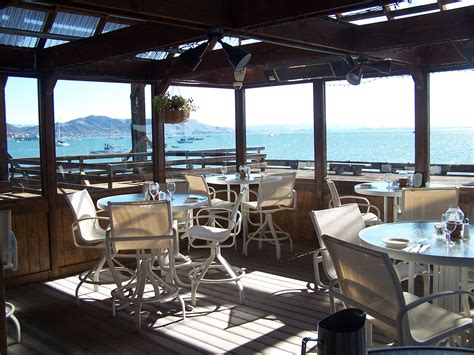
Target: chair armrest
(371, 207)
(96, 218)
(433, 296)
(232, 192)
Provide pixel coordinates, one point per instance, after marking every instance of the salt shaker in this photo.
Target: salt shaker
(466, 229)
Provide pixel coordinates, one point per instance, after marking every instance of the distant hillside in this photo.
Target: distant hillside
(106, 126)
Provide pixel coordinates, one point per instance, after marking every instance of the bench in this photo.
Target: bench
(355, 168)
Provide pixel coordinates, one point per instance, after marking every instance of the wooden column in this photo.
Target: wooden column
(240, 128)
(138, 125)
(158, 135)
(422, 122)
(48, 159)
(3, 131)
(320, 143)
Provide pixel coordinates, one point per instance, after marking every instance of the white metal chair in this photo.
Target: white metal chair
(345, 223)
(275, 194)
(198, 185)
(367, 280)
(147, 228)
(87, 233)
(370, 218)
(220, 233)
(427, 203)
(10, 261)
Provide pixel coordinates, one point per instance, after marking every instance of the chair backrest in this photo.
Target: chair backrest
(140, 225)
(367, 281)
(276, 190)
(335, 198)
(427, 203)
(82, 206)
(343, 223)
(8, 241)
(197, 184)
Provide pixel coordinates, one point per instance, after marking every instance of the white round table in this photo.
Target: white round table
(180, 202)
(453, 262)
(381, 189)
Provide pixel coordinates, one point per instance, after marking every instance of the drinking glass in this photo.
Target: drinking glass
(154, 189)
(388, 179)
(224, 170)
(171, 187)
(449, 225)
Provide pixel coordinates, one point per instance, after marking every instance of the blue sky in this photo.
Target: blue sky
(384, 102)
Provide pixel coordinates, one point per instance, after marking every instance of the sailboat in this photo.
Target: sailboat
(60, 142)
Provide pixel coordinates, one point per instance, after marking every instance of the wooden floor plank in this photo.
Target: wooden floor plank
(278, 311)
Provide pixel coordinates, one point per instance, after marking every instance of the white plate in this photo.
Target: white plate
(397, 243)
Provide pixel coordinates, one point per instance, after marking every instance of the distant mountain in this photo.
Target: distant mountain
(107, 126)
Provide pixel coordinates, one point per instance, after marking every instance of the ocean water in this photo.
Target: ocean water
(448, 146)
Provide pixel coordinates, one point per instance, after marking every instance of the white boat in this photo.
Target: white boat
(108, 149)
(60, 142)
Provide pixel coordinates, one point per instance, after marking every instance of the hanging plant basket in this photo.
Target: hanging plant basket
(173, 109)
(173, 117)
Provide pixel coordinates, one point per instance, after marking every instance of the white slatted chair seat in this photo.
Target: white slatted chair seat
(209, 233)
(87, 233)
(365, 207)
(210, 225)
(345, 223)
(147, 228)
(9, 248)
(276, 193)
(367, 280)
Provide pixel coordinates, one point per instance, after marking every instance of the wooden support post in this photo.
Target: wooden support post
(240, 129)
(138, 126)
(48, 159)
(3, 132)
(320, 143)
(422, 121)
(158, 135)
(4, 177)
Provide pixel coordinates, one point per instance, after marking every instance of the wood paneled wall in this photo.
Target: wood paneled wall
(30, 224)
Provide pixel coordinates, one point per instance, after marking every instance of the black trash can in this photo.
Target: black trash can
(342, 333)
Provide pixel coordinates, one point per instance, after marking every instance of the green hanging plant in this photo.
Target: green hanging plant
(166, 102)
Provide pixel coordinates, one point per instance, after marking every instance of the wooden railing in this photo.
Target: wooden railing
(79, 170)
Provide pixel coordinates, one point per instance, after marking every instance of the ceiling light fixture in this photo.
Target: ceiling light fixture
(236, 56)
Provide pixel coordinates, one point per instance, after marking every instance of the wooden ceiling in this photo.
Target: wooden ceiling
(297, 39)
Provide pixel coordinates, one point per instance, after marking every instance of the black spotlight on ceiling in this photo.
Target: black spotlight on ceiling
(193, 56)
(355, 74)
(237, 56)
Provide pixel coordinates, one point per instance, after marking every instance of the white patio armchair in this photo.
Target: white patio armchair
(427, 203)
(370, 213)
(367, 280)
(345, 223)
(87, 233)
(10, 261)
(198, 185)
(275, 194)
(147, 228)
(217, 232)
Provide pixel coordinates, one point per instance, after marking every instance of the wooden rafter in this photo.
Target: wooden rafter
(202, 13)
(415, 31)
(130, 40)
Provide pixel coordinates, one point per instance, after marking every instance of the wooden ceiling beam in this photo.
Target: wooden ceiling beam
(130, 40)
(17, 60)
(202, 12)
(259, 12)
(452, 25)
(325, 36)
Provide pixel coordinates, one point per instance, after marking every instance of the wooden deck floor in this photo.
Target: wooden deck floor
(279, 310)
